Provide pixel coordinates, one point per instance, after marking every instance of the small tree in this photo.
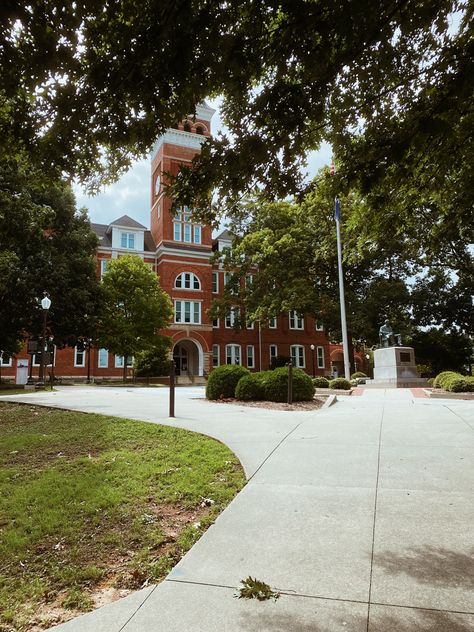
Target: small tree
(135, 308)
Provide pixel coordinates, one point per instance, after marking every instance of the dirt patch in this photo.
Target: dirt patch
(312, 405)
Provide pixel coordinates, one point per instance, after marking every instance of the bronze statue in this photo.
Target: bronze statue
(386, 336)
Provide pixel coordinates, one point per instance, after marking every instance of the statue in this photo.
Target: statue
(386, 336)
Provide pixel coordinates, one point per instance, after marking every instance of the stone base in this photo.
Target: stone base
(394, 367)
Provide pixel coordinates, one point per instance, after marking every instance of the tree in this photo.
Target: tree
(45, 246)
(135, 308)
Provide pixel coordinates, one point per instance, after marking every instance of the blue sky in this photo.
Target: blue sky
(131, 194)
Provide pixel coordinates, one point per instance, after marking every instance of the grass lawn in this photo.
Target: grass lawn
(92, 507)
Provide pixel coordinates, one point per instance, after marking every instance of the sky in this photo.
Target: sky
(130, 195)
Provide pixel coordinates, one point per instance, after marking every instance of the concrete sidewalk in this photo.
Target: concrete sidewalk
(361, 514)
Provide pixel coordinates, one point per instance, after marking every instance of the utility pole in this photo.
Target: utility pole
(345, 344)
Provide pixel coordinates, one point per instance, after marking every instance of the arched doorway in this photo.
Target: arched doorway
(188, 357)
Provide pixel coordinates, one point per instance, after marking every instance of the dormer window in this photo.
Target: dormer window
(127, 240)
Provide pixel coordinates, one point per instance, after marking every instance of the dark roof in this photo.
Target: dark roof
(128, 222)
(101, 231)
(226, 235)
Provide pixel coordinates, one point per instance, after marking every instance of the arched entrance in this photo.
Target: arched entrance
(188, 357)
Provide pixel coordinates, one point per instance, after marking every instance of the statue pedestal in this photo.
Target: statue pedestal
(395, 367)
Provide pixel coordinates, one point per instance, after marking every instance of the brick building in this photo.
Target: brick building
(180, 252)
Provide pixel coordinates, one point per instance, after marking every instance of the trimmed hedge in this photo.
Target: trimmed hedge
(275, 385)
(250, 388)
(454, 382)
(340, 383)
(321, 382)
(444, 377)
(357, 374)
(223, 380)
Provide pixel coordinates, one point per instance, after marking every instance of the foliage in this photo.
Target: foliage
(135, 308)
(340, 383)
(320, 382)
(46, 246)
(357, 374)
(276, 385)
(442, 350)
(255, 589)
(424, 370)
(279, 361)
(458, 384)
(67, 520)
(250, 387)
(443, 378)
(153, 362)
(223, 380)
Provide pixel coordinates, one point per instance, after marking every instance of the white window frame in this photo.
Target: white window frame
(182, 312)
(187, 278)
(296, 320)
(320, 357)
(271, 347)
(177, 232)
(273, 323)
(216, 356)
(250, 325)
(129, 237)
(319, 326)
(215, 282)
(231, 316)
(248, 280)
(119, 361)
(197, 233)
(216, 323)
(250, 356)
(36, 363)
(230, 352)
(10, 360)
(78, 353)
(297, 353)
(103, 266)
(101, 356)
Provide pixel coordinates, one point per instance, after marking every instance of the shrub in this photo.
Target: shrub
(458, 384)
(320, 382)
(424, 370)
(250, 387)
(223, 380)
(340, 383)
(278, 361)
(442, 378)
(153, 362)
(275, 384)
(357, 374)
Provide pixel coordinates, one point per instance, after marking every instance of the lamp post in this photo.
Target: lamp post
(45, 305)
(312, 354)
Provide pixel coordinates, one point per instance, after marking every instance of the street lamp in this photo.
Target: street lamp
(45, 305)
(312, 353)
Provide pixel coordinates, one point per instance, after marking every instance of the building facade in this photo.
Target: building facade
(181, 251)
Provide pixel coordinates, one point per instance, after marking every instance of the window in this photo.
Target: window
(320, 355)
(273, 352)
(250, 357)
(297, 355)
(37, 356)
(103, 266)
(103, 359)
(5, 360)
(296, 320)
(232, 354)
(319, 326)
(119, 361)
(127, 240)
(249, 324)
(187, 281)
(272, 323)
(215, 282)
(215, 355)
(158, 210)
(79, 357)
(215, 323)
(232, 318)
(187, 312)
(184, 229)
(248, 280)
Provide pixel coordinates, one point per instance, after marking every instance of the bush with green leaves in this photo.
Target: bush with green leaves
(275, 385)
(250, 388)
(357, 374)
(320, 382)
(153, 362)
(459, 384)
(223, 380)
(279, 361)
(444, 377)
(340, 383)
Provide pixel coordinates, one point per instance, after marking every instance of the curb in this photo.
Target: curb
(332, 399)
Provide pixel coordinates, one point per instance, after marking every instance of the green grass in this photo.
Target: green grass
(88, 501)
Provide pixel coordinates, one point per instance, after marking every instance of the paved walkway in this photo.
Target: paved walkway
(361, 514)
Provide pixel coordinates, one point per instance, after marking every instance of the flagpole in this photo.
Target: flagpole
(345, 345)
